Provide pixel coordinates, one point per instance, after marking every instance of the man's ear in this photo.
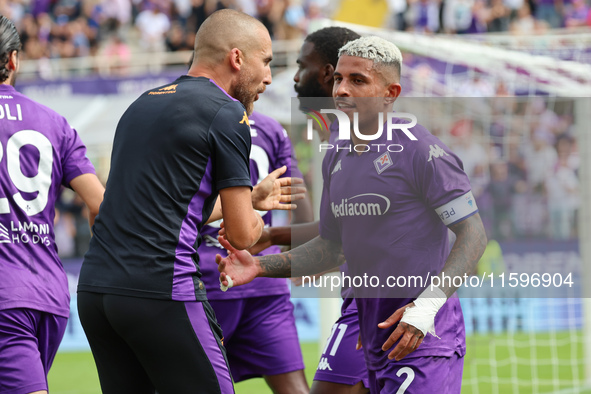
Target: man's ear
(236, 59)
(13, 61)
(393, 91)
(327, 73)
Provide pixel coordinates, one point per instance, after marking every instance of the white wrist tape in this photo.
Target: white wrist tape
(230, 283)
(422, 315)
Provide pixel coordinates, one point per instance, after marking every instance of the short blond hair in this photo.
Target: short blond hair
(382, 52)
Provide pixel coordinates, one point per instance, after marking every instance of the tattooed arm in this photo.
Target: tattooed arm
(466, 252)
(315, 256)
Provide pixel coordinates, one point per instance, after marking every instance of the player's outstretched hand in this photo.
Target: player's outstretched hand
(277, 193)
(238, 268)
(410, 336)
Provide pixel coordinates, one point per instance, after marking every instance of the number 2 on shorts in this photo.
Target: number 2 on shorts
(410, 375)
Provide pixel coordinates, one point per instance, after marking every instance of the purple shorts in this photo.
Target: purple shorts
(260, 336)
(441, 375)
(340, 361)
(29, 340)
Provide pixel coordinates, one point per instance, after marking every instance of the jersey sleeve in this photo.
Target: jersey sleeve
(229, 135)
(74, 159)
(441, 181)
(329, 226)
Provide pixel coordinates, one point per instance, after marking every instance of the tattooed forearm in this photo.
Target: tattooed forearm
(315, 256)
(467, 250)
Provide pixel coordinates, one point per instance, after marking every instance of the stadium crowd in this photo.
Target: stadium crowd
(74, 28)
(481, 16)
(523, 166)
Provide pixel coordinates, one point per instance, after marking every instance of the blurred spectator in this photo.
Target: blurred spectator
(396, 10)
(525, 22)
(118, 55)
(540, 159)
(576, 16)
(71, 229)
(473, 155)
(45, 27)
(514, 6)
(562, 187)
(264, 10)
(116, 13)
(14, 10)
(153, 25)
(295, 19)
(176, 40)
(544, 117)
(65, 231)
(197, 15)
(501, 189)
(457, 15)
(550, 11)
(423, 15)
(79, 37)
(68, 10)
(181, 11)
(498, 17)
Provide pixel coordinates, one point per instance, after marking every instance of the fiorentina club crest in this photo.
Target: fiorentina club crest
(382, 162)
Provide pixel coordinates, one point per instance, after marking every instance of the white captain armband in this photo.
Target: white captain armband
(458, 209)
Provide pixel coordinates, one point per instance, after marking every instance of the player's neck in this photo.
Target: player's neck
(9, 81)
(223, 81)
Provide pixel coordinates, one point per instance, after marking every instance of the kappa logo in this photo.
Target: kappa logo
(435, 151)
(383, 162)
(336, 168)
(323, 365)
(245, 119)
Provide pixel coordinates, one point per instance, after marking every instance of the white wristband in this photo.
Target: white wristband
(422, 315)
(230, 283)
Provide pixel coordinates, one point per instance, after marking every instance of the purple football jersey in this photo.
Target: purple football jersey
(271, 149)
(384, 206)
(40, 152)
(346, 291)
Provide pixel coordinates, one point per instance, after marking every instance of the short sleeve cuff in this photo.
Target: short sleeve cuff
(234, 183)
(73, 173)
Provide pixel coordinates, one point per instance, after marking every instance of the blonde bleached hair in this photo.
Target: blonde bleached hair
(382, 52)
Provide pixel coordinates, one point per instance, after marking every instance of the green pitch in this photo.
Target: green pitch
(75, 373)
(503, 364)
